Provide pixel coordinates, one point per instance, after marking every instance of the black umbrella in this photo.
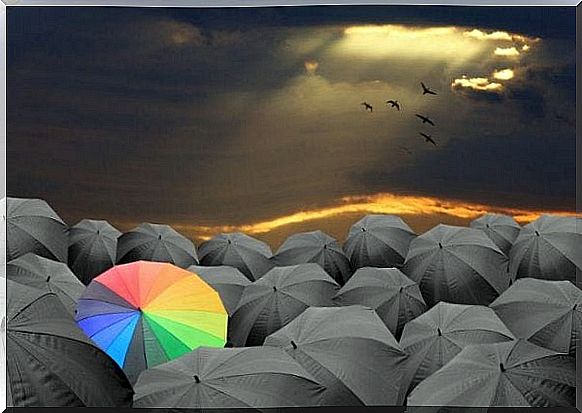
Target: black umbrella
(548, 248)
(156, 242)
(316, 247)
(394, 296)
(502, 229)
(47, 275)
(378, 241)
(435, 337)
(228, 281)
(33, 226)
(458, 265)
(547, 313)
(254, 377)
(277, 298)
(238, 250)
(349, 351)
(512, 374)
(92, 248)
(52, 363)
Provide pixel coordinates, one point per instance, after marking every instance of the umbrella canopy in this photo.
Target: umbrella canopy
(512, 374)
(52, 363)
(254, 377)
(434, 338)
(47, 275)
(156, 242)
(547, 313)
(277, 298)
(349, 351)
(394, 296)
(33, 226)
(146, 313)
(92, 248)
(249, 255)
(378, 241)
(456, 264)
(548, 248)
(228, 281)
(316, 247)
(502, 229)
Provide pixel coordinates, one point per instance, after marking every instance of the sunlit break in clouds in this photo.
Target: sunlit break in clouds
(504, 74)
(506, 51)
(477, 83)
(311, 66)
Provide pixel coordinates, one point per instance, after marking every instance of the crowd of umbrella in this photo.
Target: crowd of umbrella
(486, 315)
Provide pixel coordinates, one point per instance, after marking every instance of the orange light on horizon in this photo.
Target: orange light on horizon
(383, 203)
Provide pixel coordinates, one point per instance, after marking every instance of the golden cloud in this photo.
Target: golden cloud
(504, 74)
(506, 51)
(497, 35)
(477, 83)
(382, 203)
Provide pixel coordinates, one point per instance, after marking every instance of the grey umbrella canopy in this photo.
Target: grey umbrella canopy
(316, 247)
(378, 241)
(394, 296)
(434, 338)
(349, 351)
(47, 275)
(276, 299)
(52, 363)
(248, 254)
(156, 242)
(548, 248)
(547, 313)
(227, 281)
(456, 264)
(502, 229)
(515, 374)
(253, 377)
(92, 248)
(33, 226)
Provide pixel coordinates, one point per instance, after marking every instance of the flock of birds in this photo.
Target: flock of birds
(425, 119)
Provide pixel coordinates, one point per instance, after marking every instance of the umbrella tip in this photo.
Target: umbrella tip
(48, 278)
(363, 229)
(294, 345)
(439, 332)
(440, 245)
(487, 225)
(197, 379)
(228, 241)
(537, 233)
(160, 236)
(274, 289)
(502, 367)
(575, 307)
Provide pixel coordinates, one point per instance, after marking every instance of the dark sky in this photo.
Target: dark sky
(225, 119)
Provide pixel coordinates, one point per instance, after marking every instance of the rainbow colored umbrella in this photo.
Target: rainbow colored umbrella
(147, 313)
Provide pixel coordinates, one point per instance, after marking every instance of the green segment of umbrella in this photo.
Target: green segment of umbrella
(253, 377)
(434, 338)
(547, 313)
(52, 363)
(516, 374)
(395, 297)
(502, 229)
(92, 248)
(276, 299)
(33, 226)
(156, 242)
(315, 247)
(378, 241)
(548, 248)
(47, 275)
(348, 350)
(458, 265)
(249, 255)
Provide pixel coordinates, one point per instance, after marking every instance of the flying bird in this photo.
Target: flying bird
(394, 104)
(428, 138)
(425, 119)
(426, 90)
(367, 106)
